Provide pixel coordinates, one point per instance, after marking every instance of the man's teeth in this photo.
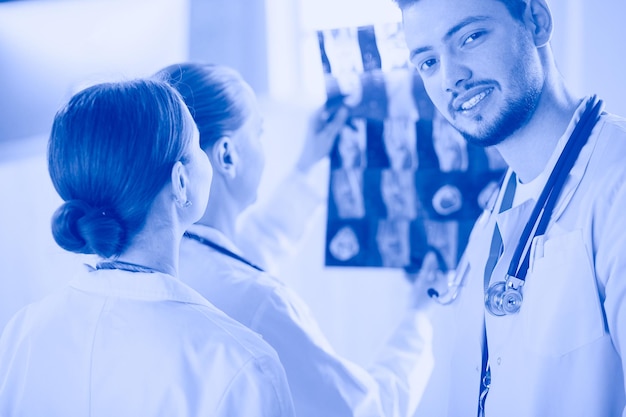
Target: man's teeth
(473, 101)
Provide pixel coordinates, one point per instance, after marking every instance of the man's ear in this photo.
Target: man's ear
(539, 20)
(224, 157)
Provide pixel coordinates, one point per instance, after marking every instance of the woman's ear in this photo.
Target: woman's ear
(180, 187)
(539, 20)
(224, 157)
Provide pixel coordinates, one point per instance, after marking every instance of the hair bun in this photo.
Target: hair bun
(79, 227)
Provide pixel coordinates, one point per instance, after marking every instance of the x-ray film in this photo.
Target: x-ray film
(403, 181)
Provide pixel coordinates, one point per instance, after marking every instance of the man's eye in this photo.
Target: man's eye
(428, 64)
(473, 37)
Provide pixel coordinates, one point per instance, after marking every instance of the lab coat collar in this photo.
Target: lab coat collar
(575, 175)
(579, 168)
(215, 236)
(154, 286)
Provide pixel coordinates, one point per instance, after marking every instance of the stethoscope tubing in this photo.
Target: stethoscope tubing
(545, 203)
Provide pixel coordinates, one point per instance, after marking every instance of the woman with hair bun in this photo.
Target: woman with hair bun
(127, 337)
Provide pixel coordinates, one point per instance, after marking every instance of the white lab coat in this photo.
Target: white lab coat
(321, 382)
(117, 343)
(562, 354)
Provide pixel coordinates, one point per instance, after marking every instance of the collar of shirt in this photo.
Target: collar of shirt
(137, 285)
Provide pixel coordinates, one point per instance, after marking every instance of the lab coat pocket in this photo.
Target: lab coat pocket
(561, 310)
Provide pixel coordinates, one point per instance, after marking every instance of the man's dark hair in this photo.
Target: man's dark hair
(515, 7)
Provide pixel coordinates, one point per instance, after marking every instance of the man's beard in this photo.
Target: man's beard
(512, 117)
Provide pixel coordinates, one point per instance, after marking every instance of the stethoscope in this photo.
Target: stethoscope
(505, 297)
(222, 250)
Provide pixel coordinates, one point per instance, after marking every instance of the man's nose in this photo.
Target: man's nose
(455, 74)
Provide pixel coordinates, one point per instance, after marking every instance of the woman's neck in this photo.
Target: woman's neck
(156, 251)
(221, 214)
(156, 246)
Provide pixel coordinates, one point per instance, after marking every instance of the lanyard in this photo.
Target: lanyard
(495, 251)
(222, 250)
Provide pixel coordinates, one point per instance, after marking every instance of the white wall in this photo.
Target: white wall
(231, 32)
(588, 44)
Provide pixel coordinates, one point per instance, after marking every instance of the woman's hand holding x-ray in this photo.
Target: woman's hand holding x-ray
(323, 128)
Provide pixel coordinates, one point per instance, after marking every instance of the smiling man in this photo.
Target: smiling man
(539, 327)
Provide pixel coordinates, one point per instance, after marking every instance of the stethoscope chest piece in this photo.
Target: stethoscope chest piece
(504, 297)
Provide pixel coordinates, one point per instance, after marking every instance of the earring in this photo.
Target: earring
(185, 204)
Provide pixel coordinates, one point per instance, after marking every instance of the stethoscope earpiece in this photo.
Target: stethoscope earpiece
(433, 293)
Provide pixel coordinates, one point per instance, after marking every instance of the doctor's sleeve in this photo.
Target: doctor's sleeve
(259, 389)
(404, 365)
(324, 383)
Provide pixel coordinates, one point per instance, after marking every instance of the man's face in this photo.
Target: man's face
(479, 65)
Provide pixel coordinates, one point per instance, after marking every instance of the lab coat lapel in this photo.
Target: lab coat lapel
(576, 174)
